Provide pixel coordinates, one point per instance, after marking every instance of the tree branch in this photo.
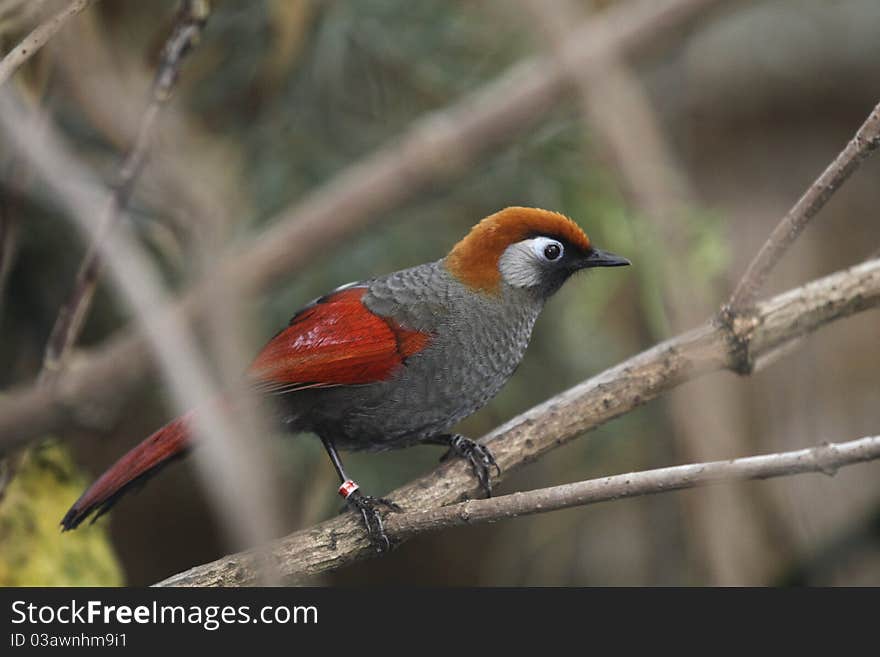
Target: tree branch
(763, 330)
(38, 38)
(865, 142)
(827, 458)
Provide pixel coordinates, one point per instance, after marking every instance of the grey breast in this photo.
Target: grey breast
(477, 340)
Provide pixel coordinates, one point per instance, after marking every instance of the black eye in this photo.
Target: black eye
(552, 251)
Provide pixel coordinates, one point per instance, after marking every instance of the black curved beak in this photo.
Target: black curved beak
(600, 258)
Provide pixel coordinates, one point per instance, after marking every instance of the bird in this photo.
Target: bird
(397, 360)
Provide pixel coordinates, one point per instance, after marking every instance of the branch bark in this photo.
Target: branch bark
(768, 327)
(827, 459)
(38, 38)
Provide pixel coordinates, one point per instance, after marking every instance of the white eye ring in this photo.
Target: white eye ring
(548, 250)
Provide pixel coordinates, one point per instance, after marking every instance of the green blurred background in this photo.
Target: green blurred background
(281, 95)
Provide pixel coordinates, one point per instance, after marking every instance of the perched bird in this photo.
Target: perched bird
(398, 360)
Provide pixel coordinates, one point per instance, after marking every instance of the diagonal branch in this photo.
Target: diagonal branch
(865, 142)
(709, 348)
(38, 38)
(443, 144)
(188, 26)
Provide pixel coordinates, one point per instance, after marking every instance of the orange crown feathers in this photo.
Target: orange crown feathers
(474, 260)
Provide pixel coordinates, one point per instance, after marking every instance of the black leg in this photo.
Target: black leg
(364, 505)
(479, 456)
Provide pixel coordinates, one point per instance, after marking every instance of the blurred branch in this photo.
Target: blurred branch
(38, 38)
(434, 148)
(8, 239)
(863, 144)
(444, 143)
(615, 392)
(188, 25)
(17, 179)
(191, 181)
(137, 282)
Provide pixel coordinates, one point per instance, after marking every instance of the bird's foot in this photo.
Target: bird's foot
(479, 456)
(366, 507)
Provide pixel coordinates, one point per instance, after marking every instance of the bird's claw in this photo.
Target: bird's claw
(365, 506)
(479, 456)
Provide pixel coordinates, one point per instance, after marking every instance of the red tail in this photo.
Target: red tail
(168, 443)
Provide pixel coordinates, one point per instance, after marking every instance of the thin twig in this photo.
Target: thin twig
(188, 25)
(38, 38)
(617, 391)
(865, 142)
(827, 459)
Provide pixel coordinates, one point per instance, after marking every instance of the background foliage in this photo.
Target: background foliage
(285, 93)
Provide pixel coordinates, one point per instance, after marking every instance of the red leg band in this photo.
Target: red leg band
(348, 487)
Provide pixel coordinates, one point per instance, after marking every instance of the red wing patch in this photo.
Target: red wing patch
(337, 341)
